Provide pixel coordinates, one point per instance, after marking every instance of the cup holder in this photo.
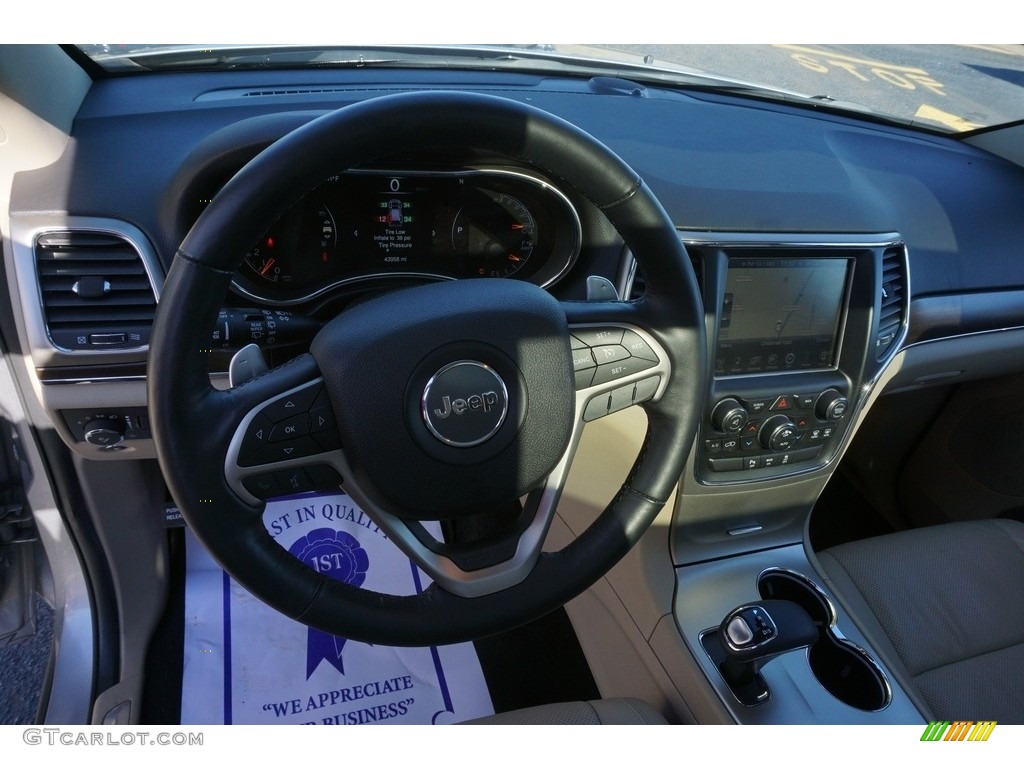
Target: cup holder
(843, 669)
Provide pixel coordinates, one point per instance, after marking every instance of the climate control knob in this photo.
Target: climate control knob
(831, 405)
(729, 415)
(777, 433)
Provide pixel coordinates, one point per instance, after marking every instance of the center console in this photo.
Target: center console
(800, 329)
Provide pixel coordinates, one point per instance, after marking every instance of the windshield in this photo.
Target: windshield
(950, 88)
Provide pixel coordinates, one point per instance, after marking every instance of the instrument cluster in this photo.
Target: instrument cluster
(372, 225)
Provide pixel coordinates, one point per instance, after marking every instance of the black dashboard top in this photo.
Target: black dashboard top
(717, 163)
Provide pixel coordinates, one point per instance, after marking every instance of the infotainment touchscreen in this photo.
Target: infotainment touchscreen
(781, 315)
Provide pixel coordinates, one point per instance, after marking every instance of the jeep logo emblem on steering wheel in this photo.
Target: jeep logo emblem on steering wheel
(464, 404)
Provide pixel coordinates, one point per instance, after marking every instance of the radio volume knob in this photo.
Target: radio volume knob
(831, 405)
(729, 415)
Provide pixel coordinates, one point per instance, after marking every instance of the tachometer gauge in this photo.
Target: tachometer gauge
(298, 249)
(494, 233)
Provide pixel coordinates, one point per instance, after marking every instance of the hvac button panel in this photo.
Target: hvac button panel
(603, 355)
(771, 432)
(298, 425)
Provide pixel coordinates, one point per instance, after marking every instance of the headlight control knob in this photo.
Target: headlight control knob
(104, 432)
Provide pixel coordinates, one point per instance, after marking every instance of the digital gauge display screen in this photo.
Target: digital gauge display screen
(781, 315)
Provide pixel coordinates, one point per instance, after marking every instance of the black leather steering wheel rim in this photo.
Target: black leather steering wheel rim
(191, 419)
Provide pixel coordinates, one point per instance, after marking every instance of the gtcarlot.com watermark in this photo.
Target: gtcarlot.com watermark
(70, 737)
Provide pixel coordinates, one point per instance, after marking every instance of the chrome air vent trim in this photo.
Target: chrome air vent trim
(58, 230)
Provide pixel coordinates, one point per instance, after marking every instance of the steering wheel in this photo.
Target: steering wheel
(437, 402)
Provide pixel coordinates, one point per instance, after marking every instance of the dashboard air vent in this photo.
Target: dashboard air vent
(96, 293)
(893, 301)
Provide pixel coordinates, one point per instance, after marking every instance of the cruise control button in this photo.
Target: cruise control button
(596, 337)
(621, 370)
(637, 347)
(582, 359)
(609, 353)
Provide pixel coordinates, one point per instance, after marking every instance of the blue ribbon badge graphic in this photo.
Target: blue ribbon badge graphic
(338, 555)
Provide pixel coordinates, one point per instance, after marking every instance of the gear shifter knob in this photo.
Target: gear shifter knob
(754, 633)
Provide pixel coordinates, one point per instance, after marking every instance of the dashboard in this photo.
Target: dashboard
(796, 237)
(837, 259)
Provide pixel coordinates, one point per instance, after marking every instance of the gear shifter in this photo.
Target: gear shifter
(752, 635)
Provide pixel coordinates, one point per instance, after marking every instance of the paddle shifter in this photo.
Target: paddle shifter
(752, 635)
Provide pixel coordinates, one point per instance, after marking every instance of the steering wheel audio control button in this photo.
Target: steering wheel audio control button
(621, 397)
(289, 429)
(257, 435)
(286, 450)
(292, 405)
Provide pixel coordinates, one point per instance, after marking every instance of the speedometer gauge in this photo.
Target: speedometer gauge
(494, 233)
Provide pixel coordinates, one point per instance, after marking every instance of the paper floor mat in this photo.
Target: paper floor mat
(247, 664)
